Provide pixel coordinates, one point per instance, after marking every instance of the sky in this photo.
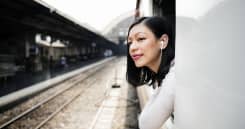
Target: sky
(96, 13)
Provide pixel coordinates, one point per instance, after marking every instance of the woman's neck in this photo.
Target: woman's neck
(154, 66)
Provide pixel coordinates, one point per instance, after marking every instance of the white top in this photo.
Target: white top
(160, 105)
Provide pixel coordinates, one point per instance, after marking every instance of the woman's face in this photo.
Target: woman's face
(144, 48)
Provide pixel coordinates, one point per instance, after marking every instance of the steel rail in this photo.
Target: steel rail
(33, 108)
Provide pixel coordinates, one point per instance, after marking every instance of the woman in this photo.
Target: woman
(150, 60)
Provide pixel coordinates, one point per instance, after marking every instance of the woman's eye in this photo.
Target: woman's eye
(140, 39)
(129, 43)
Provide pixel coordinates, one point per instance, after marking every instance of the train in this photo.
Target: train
(209, 60)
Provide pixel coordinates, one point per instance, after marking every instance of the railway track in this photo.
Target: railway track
(39, 114)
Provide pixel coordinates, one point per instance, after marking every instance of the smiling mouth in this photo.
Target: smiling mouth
(137, 56)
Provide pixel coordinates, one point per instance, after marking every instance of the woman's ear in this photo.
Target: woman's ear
(164, 41)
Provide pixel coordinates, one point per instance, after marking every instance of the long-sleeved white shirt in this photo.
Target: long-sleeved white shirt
(160, 105)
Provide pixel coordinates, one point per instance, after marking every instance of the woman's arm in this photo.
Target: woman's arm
(160, 106)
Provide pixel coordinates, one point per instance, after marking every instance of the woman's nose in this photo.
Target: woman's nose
(134, 46)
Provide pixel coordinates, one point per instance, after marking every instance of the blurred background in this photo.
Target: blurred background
(42, 40)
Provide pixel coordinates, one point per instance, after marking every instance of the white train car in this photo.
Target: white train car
(209, 61)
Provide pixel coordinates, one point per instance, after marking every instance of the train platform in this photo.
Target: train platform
(119, 108)
(24, 79)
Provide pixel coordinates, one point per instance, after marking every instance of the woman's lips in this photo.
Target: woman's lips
(136, 56)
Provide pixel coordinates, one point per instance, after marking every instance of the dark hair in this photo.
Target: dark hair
(139, 76)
